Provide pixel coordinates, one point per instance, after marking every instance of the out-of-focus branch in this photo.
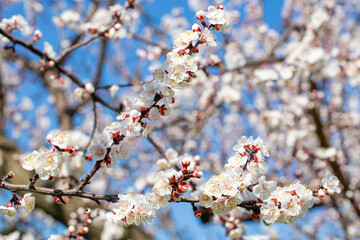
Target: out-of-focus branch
(80, 35)
(156, 146)
(61, 69)
(94, 127)
(101, 62)
(324, 142)
(147, 41)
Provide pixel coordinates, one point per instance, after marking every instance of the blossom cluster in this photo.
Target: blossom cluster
(287, 204)
(109, 145)
(63, 159)
(172, 158)
(226, 191)
(114, 21)
(140, 209)
(16, 22)
(27, 202)
(45, 162)
(132, 208)
(180, 67)
(235, 228)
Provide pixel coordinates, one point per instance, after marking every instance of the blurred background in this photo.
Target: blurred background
(287, 71)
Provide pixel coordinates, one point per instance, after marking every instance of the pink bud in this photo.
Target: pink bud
(200, 15)
(37, 35)
(198, 174)
(185, 163)
(11, 174)
(320, 193)
(196, 28)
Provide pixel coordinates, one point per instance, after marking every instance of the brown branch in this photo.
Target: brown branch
(57, 192)
(100, 62)
(86, 180)
(156, 146)
(33, 181)
(78, 45)
(147, 41)
(324, 142)
(80, 35)
(200, 39)
(94, 127)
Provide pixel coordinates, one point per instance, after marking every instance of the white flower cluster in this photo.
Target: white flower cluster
(132, 208)
(68, 18)
(14, 23)
(216, 16)
(45, 162)
(141, 209)
(286, 204)
(63, 157)
(235, 228)
(180, 66)
(27, 202)
(108, 145)
(224, 192)
(116, 16)
(172, 158)
(103, 18)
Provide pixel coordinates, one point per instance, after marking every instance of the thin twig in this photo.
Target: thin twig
(61, 69)
(94, 127)
(86, 180)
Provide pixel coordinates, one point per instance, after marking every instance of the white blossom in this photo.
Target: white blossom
(215, 15)
(209, 38)
(59, 139)
(98, 152)
(264, 188)
(330, 183)
(28, 202)
(10, 211)
(132, 208)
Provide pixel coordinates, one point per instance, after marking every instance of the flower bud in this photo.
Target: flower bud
(11, 174)
(113, 90)
(200, 15)
(89, 87)
(185, 163)
(37, 35)
(164, 110)
(198, 174)
(320, 193)
(78, 92)
(196, 28)
(197, 213)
